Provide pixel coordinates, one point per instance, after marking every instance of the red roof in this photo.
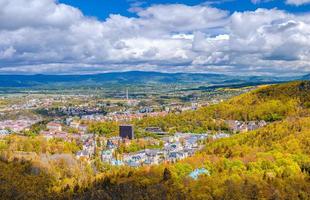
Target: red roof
(53, 124)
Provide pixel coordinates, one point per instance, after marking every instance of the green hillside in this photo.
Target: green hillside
(270, 103)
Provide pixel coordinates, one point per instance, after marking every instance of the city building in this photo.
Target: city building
(75, 124)
(197, 172)
(52, 126)
(126, 131)
(155, 130)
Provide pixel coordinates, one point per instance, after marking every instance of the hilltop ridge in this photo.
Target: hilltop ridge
(132, 77)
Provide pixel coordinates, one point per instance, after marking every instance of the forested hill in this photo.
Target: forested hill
(296, 90)
(270, 103)
(272, 162)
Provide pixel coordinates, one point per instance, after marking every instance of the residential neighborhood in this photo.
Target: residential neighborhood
(172, 149)
(16, 125)
(71, 122)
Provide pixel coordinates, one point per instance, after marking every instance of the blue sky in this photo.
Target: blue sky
(248, 37)
(103, 8)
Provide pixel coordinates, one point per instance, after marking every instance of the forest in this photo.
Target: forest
(272, 162)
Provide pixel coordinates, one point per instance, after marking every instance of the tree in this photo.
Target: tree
(167, 174)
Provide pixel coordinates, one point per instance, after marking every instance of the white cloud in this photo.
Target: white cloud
(297, 2)
(260, 1)
(36, 13)
(43, 36)
(178, 17)
(276, 40)
(289, 2)
(7, 53)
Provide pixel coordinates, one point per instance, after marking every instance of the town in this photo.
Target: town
(74, 118)
(163, 148)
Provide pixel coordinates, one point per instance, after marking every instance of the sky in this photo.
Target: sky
(242, 37)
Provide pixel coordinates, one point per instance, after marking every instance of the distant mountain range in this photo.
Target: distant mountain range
(135, 77)
(306, 77)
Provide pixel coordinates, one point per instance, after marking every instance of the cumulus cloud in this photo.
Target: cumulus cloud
(36, 13)
(43, 36)
(273, 37)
